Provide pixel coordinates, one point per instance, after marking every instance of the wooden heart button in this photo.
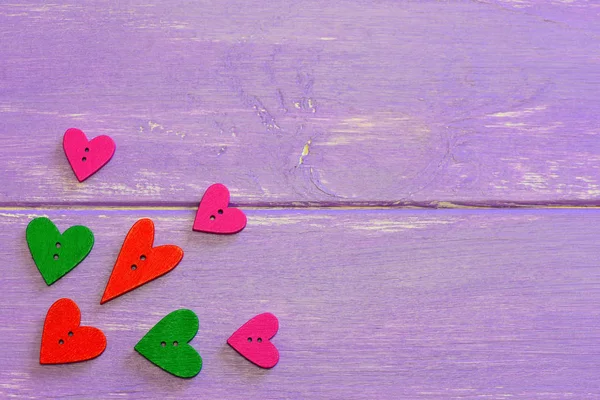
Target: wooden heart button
(139, 262)
(55, 254)
(64, 340)
(166, 344)
(87, 157)
(253, 340)
(214, 214)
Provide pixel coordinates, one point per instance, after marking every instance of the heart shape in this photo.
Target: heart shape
(139, 262)
(214, 214)
(253, 340)
(166, 344)
(55, 254)
(64, 340)
(87, 157)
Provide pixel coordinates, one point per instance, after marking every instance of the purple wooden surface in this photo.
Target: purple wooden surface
(487, 102)
(452, 304)
(372, 103)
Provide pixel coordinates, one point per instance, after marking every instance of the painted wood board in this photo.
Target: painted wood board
(296, 103)
(410, 304)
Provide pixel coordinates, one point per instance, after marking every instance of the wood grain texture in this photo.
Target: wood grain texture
(452, 304)
(370, 102)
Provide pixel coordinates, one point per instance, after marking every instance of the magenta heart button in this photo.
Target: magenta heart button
(87, 156)
(253, 340)
(214, 214)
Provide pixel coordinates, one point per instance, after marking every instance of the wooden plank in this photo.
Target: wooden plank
(458, 304)
(577, 14)
(485, 102)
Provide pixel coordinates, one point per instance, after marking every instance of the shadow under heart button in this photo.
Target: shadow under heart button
(167, 344)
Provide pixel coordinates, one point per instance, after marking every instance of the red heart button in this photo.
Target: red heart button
(214, 214)
(87, 157)
(253, 342)
(64, 340)
(139, 262)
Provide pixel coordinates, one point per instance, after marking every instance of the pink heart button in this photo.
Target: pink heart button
(214, 214)
(253, 340)
(87, 157)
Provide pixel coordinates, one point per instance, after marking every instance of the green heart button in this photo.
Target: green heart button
(166, 344)
(55, 254)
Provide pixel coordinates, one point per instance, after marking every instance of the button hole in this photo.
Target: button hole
(87, 149)
(70, 333)
(259, 340)
(133, 267)
(56, 256)
(60, 341)
(58, 245)
(212, 217)
(84, 159)
(175, 343)
(220, 211)
(142, 257)
(250, 339)
(163, 344)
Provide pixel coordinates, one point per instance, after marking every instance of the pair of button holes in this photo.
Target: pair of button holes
(60, 341)
(259, 340)
(212, 217)
(84, 159)
(134, 267)
(164, 344)
(56, 257)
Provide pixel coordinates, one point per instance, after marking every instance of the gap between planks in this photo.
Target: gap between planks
(300, 205)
